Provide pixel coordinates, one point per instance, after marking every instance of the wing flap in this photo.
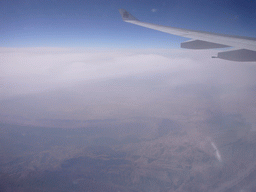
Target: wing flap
(198, 44)
(238, 55)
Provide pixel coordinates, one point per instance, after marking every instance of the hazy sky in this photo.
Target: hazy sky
(79, 60)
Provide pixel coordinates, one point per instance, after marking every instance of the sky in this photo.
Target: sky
(78, 60)
(64, 23)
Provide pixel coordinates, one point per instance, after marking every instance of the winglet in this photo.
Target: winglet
(127, 16)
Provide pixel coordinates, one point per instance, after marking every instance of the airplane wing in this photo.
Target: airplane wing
(244, 48)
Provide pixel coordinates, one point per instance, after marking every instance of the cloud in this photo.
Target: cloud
(83, 83)
(38, 69)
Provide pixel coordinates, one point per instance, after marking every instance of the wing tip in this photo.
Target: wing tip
(126, 16)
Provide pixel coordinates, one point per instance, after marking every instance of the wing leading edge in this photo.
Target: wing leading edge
(244, 48)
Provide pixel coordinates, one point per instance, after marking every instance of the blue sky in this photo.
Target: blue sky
(64, 23)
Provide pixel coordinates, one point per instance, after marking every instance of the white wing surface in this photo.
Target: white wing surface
(244, 48)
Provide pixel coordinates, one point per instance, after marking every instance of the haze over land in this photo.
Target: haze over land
(128, 120)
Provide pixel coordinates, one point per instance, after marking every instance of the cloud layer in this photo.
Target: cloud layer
(80, 83)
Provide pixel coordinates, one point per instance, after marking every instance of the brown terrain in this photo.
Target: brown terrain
(140, 154)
